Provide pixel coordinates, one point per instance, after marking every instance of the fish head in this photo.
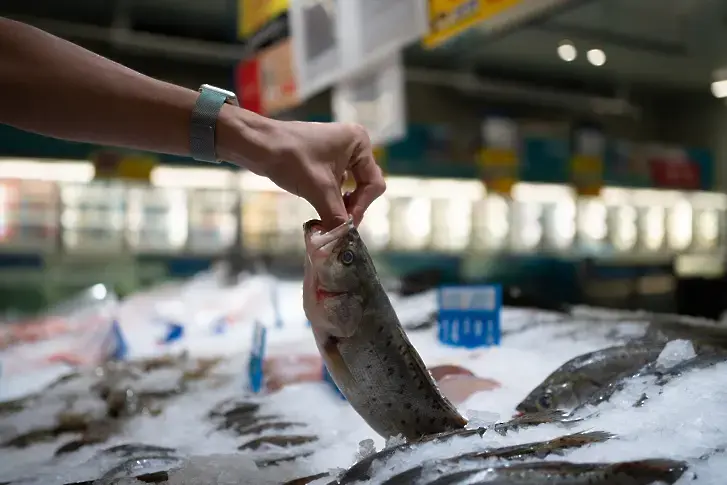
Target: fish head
(338, 270)
(557, 395)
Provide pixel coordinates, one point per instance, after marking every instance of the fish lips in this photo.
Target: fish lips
(319, 246)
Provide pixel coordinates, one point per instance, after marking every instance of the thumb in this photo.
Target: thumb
(328, 202)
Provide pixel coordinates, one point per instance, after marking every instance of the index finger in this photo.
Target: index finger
(370, 185)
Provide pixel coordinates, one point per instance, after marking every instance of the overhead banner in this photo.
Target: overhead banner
(449, 18)
(267, 83)
(333, 39)
(499, 158)
(587, 160)
(253, 15)
(376, 99)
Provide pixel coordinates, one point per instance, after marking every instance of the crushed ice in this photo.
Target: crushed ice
(675, 352)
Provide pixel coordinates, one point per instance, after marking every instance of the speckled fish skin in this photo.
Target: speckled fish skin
(362, 343)
(578, 379)
(644, 472)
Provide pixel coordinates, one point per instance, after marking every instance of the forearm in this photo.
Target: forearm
(56, 88)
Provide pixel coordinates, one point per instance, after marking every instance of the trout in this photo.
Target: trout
(577, 380)
(362, 343)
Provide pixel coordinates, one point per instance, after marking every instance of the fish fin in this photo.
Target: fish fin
(336, 366)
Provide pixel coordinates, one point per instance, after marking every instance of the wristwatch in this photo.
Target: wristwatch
(204, 120)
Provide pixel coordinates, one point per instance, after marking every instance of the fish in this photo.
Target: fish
(283, 441)
(662, 377)
(362, 469)
(539, 449)
(306, 480)
(273, 425)
(642, 472)
(136, 449)
(581, 377)
(134, 467)
(362, 342)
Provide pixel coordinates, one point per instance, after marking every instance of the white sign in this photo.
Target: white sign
(333, 39)
(376, 99)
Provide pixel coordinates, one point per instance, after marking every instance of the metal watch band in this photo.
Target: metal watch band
(203, 123)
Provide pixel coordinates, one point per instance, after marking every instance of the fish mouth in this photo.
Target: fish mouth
(316, 239)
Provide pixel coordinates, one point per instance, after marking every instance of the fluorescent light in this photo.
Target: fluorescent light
(567, 51)
(181, 177)
(49, 170)
(596, 57)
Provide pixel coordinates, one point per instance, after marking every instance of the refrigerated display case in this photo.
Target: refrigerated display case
(560, 225)
(212, 220)
(544, 217)
(375, 228)
(623, 228)
(29, 212)
(451, 224)
(680, 226)
(491, 224)
(259, 220)
(93, 217)
(592, 225)
(157, 219)
(292, 212)
(527, 222)
(411, 223)
(652, 228)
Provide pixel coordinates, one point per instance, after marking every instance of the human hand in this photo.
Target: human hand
(311, 160)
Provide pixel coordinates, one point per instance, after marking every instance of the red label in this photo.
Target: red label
(674, 174)
(248, 85)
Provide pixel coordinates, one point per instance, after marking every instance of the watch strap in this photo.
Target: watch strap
(203, 125)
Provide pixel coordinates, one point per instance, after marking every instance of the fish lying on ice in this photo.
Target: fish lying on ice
(644, 472)
(362, 343)
(538, 449)
(581, 377)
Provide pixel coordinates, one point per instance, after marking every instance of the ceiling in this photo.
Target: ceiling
(668, 43)
(656, 43)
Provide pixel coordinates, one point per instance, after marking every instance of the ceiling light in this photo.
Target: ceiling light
(719, 89)
(567, 51)
(596, 57)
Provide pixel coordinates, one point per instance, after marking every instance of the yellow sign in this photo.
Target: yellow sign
(448, 18)
(587, 174)
(112, 165)
(500, 169)
(252, 15)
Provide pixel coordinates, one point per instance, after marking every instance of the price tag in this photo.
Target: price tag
(257, 355)
(375, 99)
(469, 316)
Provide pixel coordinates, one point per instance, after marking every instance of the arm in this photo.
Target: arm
(55, 88)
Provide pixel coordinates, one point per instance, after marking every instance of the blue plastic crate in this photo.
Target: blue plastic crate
(328, 379)
(469, 316)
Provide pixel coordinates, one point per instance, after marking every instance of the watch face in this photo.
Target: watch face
(229, 94)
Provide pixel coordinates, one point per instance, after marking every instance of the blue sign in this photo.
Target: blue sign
(469, 316)
(175, 331)
(328, 379)
(120, 347)
(257, 356)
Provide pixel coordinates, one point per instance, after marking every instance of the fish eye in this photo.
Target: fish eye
(545, 401)
(347, 257)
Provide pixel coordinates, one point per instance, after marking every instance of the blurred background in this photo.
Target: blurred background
(574, 149)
